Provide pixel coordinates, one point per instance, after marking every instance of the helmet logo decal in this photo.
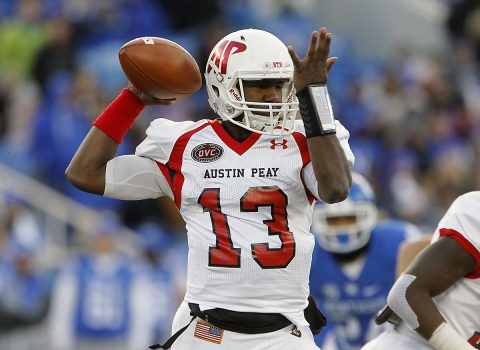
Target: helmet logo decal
(232, 91)
(221, 56)
(216, 55)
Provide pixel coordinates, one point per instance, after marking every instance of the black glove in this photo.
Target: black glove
(387, 315)
(314, 316)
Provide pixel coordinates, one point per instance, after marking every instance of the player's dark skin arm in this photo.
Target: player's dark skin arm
(328, 159)
(437, 268)
(86, 170)
(330, 167)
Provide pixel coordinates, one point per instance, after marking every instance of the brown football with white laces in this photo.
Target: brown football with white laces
(160, 67)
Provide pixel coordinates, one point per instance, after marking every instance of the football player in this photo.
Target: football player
(98, 300)
(438, 297)
(244, 183)
(354, 265)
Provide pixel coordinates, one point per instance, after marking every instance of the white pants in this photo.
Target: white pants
(394, 340)
(194, 339)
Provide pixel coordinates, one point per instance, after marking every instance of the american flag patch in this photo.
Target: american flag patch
(208, 332)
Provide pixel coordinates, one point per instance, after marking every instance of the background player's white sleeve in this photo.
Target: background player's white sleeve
(133, 178)
(462, 223)
(462, 216)
(308, 174)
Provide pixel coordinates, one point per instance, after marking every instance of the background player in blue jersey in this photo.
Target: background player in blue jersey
(165, 279)
(354, 265)
(101, 297)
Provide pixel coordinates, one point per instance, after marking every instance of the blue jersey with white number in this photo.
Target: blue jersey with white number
(164, 301)
(351, 304)
(102, 309)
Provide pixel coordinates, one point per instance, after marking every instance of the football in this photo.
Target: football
(160, 67)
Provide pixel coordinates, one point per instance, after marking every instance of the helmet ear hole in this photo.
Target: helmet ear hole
(216, 90)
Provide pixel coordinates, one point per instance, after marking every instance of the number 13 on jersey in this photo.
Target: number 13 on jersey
(224, 254)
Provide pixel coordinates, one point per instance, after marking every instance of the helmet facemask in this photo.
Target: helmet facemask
(273, 118)
(346, 238)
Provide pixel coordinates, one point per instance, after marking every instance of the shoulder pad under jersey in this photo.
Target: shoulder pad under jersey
(162, 134)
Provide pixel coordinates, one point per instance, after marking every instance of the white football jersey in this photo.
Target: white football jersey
(247, 207)
(460, 304)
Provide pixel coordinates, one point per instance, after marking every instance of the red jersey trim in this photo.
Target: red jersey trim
(175, 163)
(301, 141)
(166, 173)
(238, 147)
(469, 247)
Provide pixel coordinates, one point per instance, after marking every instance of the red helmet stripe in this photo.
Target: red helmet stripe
(216, 55)
(240, 47)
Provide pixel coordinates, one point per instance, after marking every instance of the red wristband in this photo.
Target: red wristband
(119, 116)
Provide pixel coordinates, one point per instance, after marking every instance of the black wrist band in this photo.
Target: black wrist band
(316, 110)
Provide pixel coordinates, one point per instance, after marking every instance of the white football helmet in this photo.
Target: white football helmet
(247, 55)
(359, 207)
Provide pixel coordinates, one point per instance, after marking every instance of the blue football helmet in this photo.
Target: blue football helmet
(346, 226)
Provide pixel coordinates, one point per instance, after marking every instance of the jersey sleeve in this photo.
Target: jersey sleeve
(162, 134)
(343, 135)
(134, 178)
(462, 223)
(308, 175)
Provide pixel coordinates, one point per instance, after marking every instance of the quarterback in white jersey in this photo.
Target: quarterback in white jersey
(244, 184)
(259, 209)
(438, 297)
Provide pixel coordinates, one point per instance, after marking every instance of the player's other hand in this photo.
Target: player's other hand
(316, 64)
(147, 99)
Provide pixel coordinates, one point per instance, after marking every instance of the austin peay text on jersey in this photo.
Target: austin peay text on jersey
(231, 172)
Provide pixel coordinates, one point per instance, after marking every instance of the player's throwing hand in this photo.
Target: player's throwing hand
(147, 99)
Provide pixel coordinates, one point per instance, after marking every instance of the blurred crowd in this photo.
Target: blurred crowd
(98, 295)
(414, 120)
